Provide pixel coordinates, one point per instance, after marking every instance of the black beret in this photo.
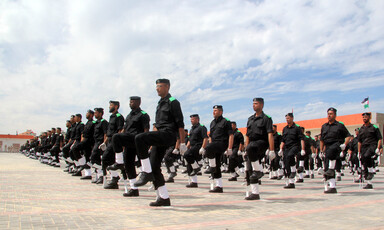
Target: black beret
(100, 110)
(289, 114)
(58, 128)
(72, 116)
(259, 99)
(78, 115)
(308, 132)
(366, 113)
(218, 107)
(135, 98)
(68, 121)
(54, 128)
(332, 109)
(194, 115)
(91, 111)
(163, 80)
(233, 122)
(115, 103)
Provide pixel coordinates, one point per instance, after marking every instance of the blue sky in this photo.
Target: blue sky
(59, 58)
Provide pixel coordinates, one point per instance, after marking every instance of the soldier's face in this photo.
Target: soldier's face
(162, 89)
(289, 119)
(331, 116)
(134, 104)
(53, 131)
(233, 126)
(194, 120)
(217, 113)
(257, 106)
(274, 129)
(366, 118)
(98, 115)
(59, 131)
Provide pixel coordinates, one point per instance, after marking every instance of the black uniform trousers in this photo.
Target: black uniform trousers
(289, 157)
(160, 141)
(234, 160)
(216, 150)
(126, 140)
(169, 157)
(108, 158)
(256, 150)
(192, 155)
(67, 149)
(367, 155)
(96, 153)
(83, 148)
(55, 153)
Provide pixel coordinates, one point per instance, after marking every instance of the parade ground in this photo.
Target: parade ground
(38, 196)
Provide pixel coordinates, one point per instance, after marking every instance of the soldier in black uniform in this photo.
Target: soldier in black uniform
(259, 140)
(369, 145)
(54, 155)
(59, 142)
(99, 135)
(220, 142)
(304, 160)
(115, 125)
(77, 140)
(197, 141)
(309, 160)
(238, 146)
(137, 121)
(67, 148)
(353, 151)
(276, 171)
(292, 140)
(333, 134)
(169, 121)
(83, 150)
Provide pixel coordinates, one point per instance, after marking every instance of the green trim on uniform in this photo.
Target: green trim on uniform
(278, 133)
(238, 131)
(94, 122)
(81, 123)
(306, 136)
(267, 115)
(102, 120)
(143, 112)
(118, 114)
(297, 125)
(313, 138)
(201, 125)
(341, 122)
(172, 99)
(375, 126)
(226, 119)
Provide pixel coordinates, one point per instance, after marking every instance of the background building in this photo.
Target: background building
(12, 143)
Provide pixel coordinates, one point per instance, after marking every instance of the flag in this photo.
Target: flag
(365, 102)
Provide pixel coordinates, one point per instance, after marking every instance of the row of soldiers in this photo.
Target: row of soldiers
(122, 145)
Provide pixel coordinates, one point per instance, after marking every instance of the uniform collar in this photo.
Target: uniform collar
(219, 118)
(261, 115)
(136, 111)
(165, 98)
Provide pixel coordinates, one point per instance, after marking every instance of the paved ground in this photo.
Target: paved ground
(37, 196)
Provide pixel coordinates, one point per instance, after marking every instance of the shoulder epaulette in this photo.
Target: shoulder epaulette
(278, 133)
(102, 120)
(118, 114)
(238, 131)
(341, 122)
(375, 126)
(226, 118)
(172, 99)
(143, 112)
(313, 138)
(201, 125)
(306, 136)
(94, 122)
(297, 125)
(267, 115)
(81, 123)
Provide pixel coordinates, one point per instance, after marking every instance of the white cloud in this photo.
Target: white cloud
(60, 57)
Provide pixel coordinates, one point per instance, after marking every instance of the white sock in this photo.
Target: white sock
(172, 169)
(146, 165)
(136, 159)
(82, 161)
(219, 182)
(369, 181)
(87, 172)
(114, 173)
(132, 183)
(175, 163)
(194, 179)
(332, 183)
(234, 174)
(246, 166)
(301, 163)
(325, 186)
(301, 175)
(76, 163)
(371, 170)
(119, 158)
(338, 174)
(163, 192)
(307, 172)
(280, 172)
(311, 171)
(291, 181)
(256, 166)
(293, 169)
(99, 172)
(255, 188)
(212, 162)
(195, 165)
(332, 164)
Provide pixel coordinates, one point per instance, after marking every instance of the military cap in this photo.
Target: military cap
(135, 98)
(115, 103)
(194, 115)
(218, 107)
(91, 111)
(163, 80)
(332, 109)
(259, 99)
(289, 114)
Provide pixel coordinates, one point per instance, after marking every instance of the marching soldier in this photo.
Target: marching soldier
(238, 146)
(292, 140)
(333, 140)
(369, 145)
(137, 121)
(276, 171)
(220, 142)
(169, 122)
(198, 140)
(259, 138)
